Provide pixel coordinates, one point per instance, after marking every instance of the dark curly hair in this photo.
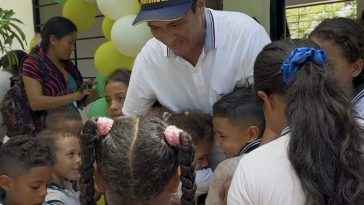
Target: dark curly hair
(20, 154)
(197, 124)
(135, 161)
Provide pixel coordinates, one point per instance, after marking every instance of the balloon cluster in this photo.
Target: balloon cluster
(124, 41)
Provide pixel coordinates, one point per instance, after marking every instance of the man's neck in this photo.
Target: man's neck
(193, 56)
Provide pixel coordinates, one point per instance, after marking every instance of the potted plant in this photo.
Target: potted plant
(10, 31)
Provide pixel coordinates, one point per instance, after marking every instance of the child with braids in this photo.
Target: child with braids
(140, 161)
(65, 147)
(199, 126)
(25, 169)
(318, 159)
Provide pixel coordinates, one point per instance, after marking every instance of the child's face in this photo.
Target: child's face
(68, 158)
(231, 139)
(344, 70)
(29, 188)
(73, 126)
(115, 93)
(203, 149)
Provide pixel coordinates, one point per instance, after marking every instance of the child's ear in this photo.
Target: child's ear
(100, 184)
(253, 133)
(357, 67)
(265, 98)
(173, 184)
(5, 182)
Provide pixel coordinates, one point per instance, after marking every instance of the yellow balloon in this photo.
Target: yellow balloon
(80, 12)
(106, 27)
(107, 59)
(31, 44)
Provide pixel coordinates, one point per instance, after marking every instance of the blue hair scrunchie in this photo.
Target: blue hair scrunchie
(298, 57)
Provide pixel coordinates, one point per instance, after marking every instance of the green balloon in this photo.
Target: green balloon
(98, 108)
(61, 1)
(100, 84)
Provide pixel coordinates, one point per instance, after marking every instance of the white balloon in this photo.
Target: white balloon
(115, 9)
(91, 1)
(129, 39)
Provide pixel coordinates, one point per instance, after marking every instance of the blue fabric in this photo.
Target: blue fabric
(298, 57)
(163, 10)
(71, 87)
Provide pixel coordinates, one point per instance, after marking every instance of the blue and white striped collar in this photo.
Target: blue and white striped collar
(250, 147)
(210, 41)
(285, 131)
(358, 97)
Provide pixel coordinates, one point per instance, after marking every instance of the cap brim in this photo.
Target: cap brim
(163, 14)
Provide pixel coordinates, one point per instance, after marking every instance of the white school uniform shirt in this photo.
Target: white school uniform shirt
(58, 195)
(232, 42)
(265, 177)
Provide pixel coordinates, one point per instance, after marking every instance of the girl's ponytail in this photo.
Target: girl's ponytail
(88, 143)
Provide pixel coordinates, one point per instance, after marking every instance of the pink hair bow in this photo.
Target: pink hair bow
(172, 135)
(104, 125)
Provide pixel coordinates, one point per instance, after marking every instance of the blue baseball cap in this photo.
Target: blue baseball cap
(162, 10)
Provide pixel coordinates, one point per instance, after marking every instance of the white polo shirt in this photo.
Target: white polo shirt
(232, 42)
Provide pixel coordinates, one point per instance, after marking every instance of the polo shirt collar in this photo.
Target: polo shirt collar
(210, 37)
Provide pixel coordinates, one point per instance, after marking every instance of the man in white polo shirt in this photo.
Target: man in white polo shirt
(196, 56)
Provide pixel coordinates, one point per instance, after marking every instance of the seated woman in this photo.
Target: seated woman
(319, 157)
(139, 160)
(50, 79)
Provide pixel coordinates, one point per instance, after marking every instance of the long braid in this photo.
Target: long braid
(186, 160)
(88, 139)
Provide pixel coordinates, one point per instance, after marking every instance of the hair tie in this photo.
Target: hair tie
(104, 125)
(171, 135)
(298, 57)
(166, 116)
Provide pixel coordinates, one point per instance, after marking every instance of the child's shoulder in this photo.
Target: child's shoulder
(59, 195)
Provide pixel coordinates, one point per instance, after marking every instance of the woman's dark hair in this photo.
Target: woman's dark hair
(119, 75)
(135, 161)
(348, 35)
(59, 27)
(21, 153)
(197, 124)
(326, 143)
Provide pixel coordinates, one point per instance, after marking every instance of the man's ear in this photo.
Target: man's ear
(174, 183)
(5, 182)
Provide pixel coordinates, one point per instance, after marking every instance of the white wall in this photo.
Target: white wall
(360, 7)
(260, 9)
(23, 11)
